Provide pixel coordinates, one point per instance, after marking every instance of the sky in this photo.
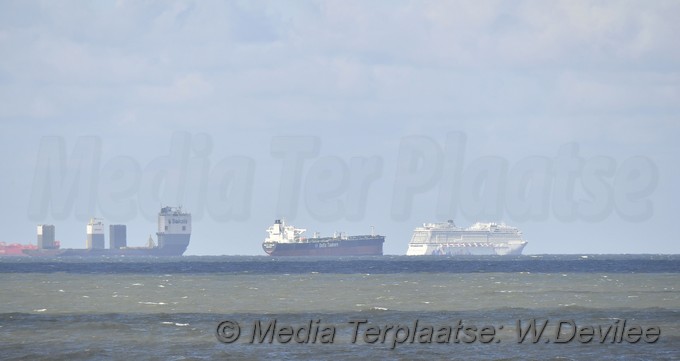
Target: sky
(560, 118)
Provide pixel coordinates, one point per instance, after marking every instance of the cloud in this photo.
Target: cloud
(344, 62)
(520, 78)
(183, 88)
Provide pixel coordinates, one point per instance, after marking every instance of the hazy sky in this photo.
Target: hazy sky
(559, 117)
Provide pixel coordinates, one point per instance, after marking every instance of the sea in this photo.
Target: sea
(534, 307)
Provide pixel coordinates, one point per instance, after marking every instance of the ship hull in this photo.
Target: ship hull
(127, 252)
(15, 250)
(369, 246)
(464, 249)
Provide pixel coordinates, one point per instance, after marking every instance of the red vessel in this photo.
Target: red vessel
(18, 250)
(15, 249)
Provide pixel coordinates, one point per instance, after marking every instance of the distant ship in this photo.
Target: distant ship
(15, 249)
(283, 240)
(174, 233)
(478, 239)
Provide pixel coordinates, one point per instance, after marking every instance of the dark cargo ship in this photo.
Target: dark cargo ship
(174, 233)
(285, 240)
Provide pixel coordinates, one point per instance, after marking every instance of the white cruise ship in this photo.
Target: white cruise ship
(478, 239)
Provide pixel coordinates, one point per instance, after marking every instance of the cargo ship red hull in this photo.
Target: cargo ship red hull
(15, 249)
(353, 246)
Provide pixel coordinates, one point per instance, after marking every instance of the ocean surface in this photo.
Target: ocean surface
(395, 307)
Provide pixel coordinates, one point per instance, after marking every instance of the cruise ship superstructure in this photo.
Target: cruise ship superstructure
(479, 239)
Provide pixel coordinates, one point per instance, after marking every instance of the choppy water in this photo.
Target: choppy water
(170, 309)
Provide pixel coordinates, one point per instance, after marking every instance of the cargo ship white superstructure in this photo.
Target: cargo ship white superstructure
(479, 239)
(174, 234)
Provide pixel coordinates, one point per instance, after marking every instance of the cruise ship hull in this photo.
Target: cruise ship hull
(360, 246)
(463, 249)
